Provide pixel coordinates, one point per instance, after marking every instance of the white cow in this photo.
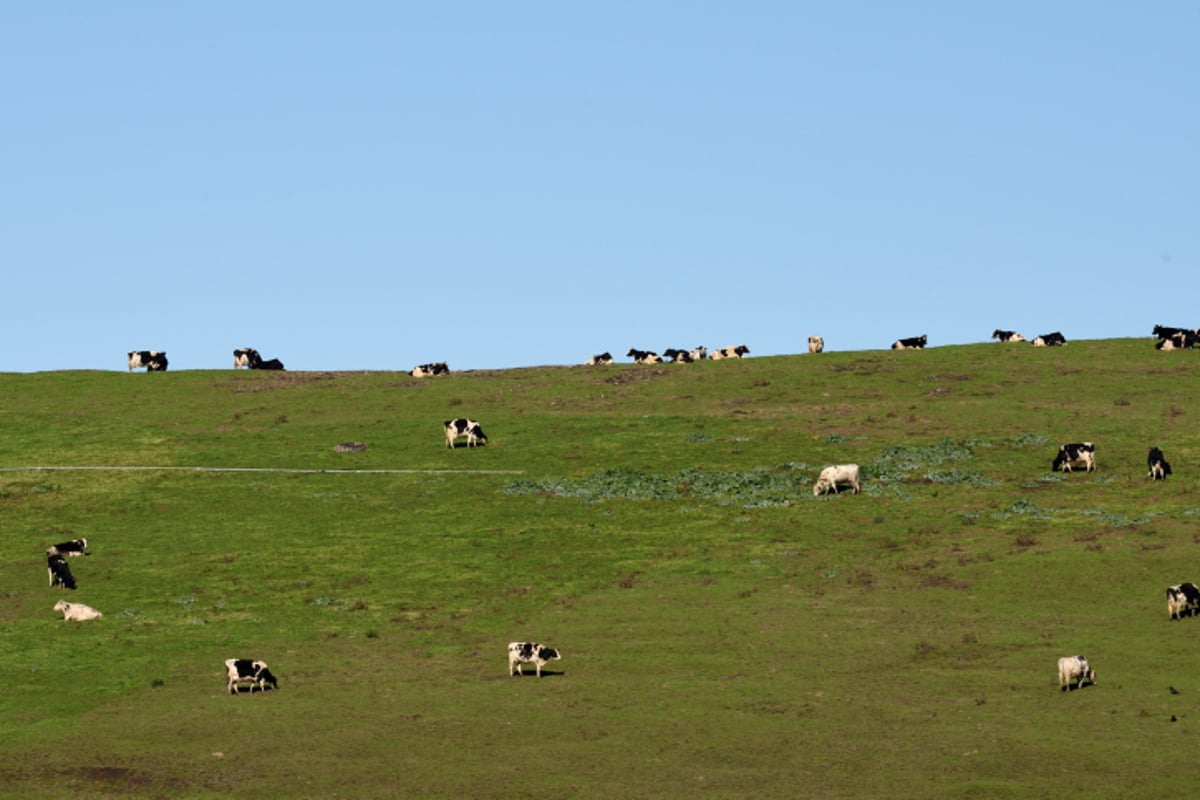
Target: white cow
(816, 344)
(1077, 669)
(76, 612)
(831, 476)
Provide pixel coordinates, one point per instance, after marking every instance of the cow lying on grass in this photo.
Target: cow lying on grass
(76, 612)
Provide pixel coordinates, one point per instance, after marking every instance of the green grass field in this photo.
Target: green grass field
(724, 633)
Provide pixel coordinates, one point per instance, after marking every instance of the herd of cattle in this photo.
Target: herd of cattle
(1168, 338)
(1073, 671)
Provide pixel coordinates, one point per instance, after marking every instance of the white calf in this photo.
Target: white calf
(76, 612)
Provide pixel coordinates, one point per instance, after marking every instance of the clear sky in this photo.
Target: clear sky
(375, 185)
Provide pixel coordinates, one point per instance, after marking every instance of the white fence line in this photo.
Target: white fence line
(272, 469)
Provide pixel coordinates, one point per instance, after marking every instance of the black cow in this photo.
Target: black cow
(914, 343)
(60, 573)
(529, 653)
(1055, 339)
(152, 360)
(248, 670)
(1159, 468)
(75, 547)
(464, 427)
(1075, 454)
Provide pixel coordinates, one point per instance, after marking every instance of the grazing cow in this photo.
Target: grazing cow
(831, 476)
(678, 356)
(245, 356)
(729, 352)
(529, 653)
(913, 343)
(152, 360)
(1055, 339)
(464, 427)
(603, 359)
(1159, 468)
(76, 612)
(816, 344)
(644, 356)
(1077, 669)
(59, 572)
(1007, 336)
(429, 370)
(1079, 454)
(75, 547)
(247, 670)
(1183, 600)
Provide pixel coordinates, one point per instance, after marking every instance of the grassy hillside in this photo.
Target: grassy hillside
(725, 633)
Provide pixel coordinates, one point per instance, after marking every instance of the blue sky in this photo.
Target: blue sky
(374, 185)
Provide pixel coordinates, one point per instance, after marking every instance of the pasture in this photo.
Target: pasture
(724, 632)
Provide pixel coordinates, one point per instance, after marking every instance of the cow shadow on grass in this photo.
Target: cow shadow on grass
(546, 673)
(254, 690)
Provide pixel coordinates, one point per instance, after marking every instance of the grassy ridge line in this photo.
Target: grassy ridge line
(898, 644)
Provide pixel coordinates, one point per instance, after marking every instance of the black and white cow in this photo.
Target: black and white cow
(600, 360)
(429, 370)
(75, 547)
(1055, 339)
(699, 354)
(464, 427)
(676, 356)
(529, 653)
(644, 356)
(59, 572)
(1075, 669)
(1167, 332)
(729, 352)
(1183, 600)
(816, 344)
(245, 356)
(912, 343)
(152, 360)
(1007, 336)
(1157, 462)
(1180, 340)
(248, 670)
(1077, 454)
